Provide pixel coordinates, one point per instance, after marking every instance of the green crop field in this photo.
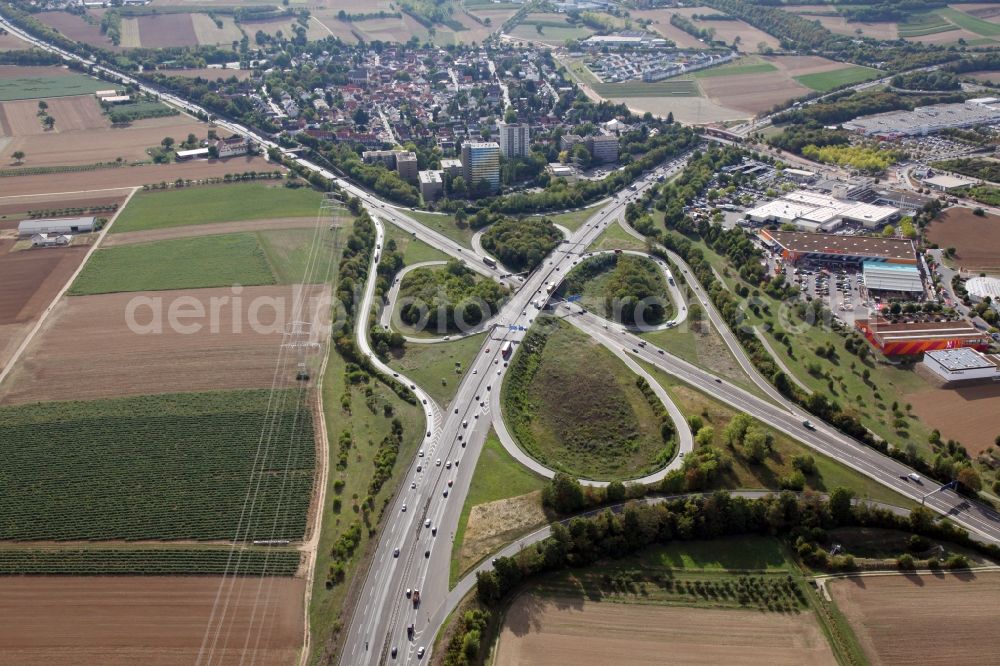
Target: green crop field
(824, 81)
(575, 407)
(446, 225)
(734, 69)
(222, 203)
(147, 561)
(173, 466)
(671, 88)
(970, 23)
(920, 25)
(185, 263)
(49, 84)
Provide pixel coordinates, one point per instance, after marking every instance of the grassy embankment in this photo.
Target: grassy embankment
(575, 407)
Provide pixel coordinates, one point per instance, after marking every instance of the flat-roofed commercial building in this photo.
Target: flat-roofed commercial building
(812, 211)
(796, 246)
(892, 279)
(917, 337)
(962, 364)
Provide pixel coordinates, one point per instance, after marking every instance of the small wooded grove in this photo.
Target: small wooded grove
(623, 530)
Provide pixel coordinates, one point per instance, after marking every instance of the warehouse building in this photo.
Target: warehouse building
(828, 249)
(917, 337)
(945, 183)
(962, 364)
(812, 211)
(887, 279)
(69, 225)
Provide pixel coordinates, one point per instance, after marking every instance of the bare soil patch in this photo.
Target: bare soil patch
(82, 112)
(543, 631)
(976, 239)
(494, 524)
(944, 619)
(662, 25)
(24, 188)
(146, 619)
(982, 10)
(690, 110)
(727, 31)
(9, 42)
(29, 280)
(76, 28)
(840, 25)
(752, 93)
(88, 336)
(800, 65)
(988, 77)
(28, 71)
(170, 233)
(165, 30)
(87, 146)
(968, 414)
(947, 37)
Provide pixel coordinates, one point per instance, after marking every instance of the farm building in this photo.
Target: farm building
(68, 225)
(892, 279)
(908, 338)
(50, 240)
(191, 154)
(116, 99)
(233, 146)
(962, 364)
(829, 249)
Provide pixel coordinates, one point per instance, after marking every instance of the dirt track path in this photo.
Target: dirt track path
(216, 228)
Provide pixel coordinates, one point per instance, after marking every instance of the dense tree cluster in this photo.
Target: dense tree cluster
(936, 80)
(453, 293)
(521, 245)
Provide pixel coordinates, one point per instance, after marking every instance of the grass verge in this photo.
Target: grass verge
(184, 263)
(217, 203)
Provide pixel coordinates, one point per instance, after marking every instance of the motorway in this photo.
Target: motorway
(381, 615)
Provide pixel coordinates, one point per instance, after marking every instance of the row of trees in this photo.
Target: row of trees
(629, 529)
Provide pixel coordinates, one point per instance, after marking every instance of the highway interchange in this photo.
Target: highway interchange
(383, 612)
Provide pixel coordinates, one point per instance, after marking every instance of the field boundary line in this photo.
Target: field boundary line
(16, 356)
(56, 194)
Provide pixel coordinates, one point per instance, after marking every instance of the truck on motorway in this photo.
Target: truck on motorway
(550, 287)
(506, 350)
(490, 261)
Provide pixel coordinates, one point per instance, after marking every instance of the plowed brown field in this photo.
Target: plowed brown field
(552, 632)
(968, 415)
(82, 112)
(29, 280)
(166, 30)
(77, 29)
(927, 620)
(149, 620)
(89, 336)
(67, 146)
(976, 239)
